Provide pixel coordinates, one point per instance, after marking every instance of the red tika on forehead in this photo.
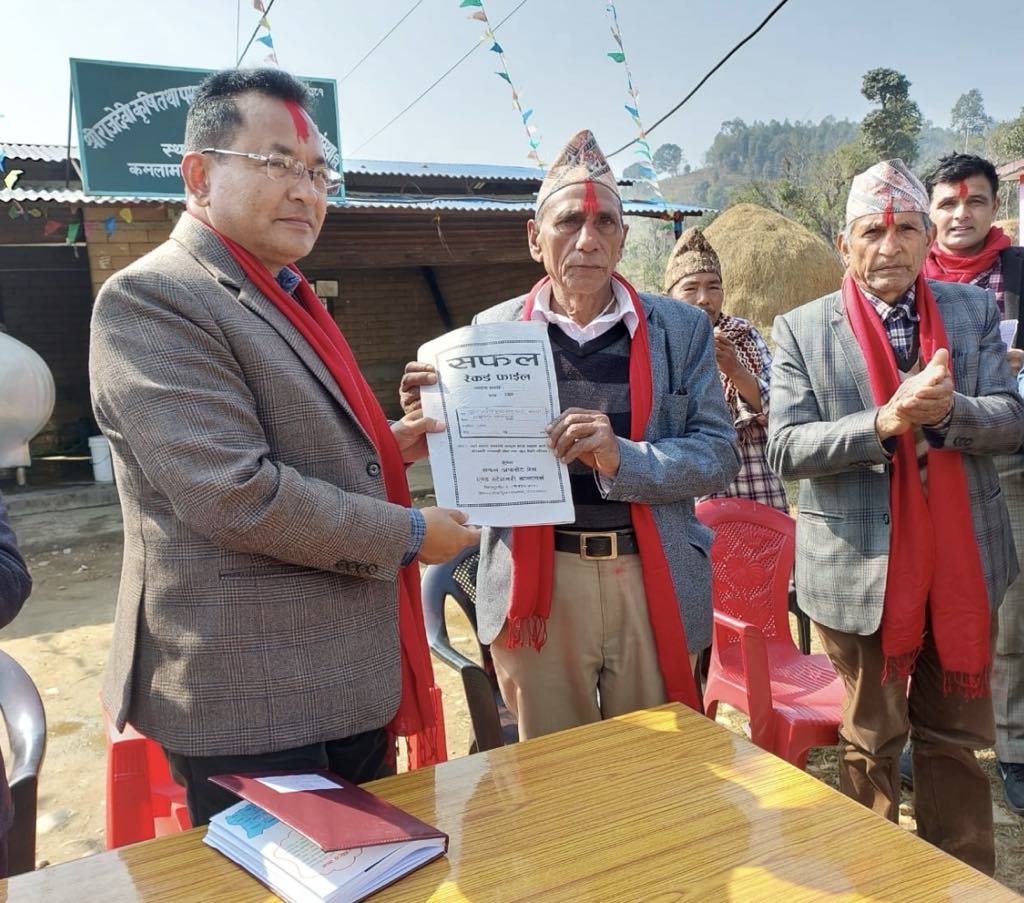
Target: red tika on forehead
(962, 190)
(889, 217)
(299, 118)
(590, 205)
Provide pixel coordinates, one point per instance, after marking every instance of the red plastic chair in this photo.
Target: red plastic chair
(143, 801)
(794, 701)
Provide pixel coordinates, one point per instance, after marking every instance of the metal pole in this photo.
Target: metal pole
(67, 158)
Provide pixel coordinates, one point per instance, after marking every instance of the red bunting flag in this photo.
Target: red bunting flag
(52, 226)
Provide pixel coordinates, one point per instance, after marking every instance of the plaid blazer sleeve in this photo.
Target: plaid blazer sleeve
(819, 424)
(988, 415)
(166, 379)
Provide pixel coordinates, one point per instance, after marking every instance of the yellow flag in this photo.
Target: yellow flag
(11, 178)
(126, 214)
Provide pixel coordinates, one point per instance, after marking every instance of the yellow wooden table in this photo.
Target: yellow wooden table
(658, 805)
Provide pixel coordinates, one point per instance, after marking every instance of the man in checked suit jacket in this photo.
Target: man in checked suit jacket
(875, 581)
(256, 624)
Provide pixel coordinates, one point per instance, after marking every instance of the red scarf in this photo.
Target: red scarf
(533, 548)
(416, 718)
(946, 267)
(933, 554)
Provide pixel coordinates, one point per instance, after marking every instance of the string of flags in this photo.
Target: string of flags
(533, 138)
(648, 176)
(267, 40)
(71, 231)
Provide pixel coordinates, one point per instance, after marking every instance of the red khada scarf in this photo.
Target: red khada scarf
(946, 267)
(933, 555)
(533, 548)
(416, 717)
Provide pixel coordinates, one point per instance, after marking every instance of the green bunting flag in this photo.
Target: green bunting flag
(480, 15)
(648, 176)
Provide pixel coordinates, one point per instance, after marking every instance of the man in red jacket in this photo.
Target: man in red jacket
(15, 585)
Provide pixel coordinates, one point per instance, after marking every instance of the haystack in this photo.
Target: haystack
(770, 264)
(1011, 227)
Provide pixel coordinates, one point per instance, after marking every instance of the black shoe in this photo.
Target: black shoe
(907, 768)
(1012, 774)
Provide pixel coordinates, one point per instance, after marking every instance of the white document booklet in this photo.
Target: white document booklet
(496, 391)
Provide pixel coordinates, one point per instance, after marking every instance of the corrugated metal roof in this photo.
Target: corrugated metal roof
(445, 170)
(49, 153)
(55, 153)
(72, 196)
(353, 204)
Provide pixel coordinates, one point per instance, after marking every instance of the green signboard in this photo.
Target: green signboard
(131, 125)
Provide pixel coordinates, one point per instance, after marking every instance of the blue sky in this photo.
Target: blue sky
(805, 64)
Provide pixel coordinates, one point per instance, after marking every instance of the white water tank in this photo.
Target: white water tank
(26, 400)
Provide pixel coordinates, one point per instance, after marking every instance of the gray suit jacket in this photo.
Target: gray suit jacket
(821, 432)
(258, 599)
(688, 450)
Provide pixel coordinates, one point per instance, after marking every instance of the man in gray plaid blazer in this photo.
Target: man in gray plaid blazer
(256, 623)
(830, 430)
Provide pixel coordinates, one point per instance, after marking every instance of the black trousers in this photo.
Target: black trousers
(359, 758)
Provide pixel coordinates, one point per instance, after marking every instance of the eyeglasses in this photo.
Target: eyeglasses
(282, 166)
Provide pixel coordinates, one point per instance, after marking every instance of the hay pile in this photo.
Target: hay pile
(1011, 227)
(769, 263)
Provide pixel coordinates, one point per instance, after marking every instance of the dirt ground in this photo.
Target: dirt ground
(62, 637)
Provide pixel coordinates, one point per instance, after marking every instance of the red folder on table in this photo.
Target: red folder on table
(333, 813)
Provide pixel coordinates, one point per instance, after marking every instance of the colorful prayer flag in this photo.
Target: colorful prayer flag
(11, 178)
(505, 76)
(258, 4)
(266, 39)
(618, 57)
(125, 214)
(110, 224)
(479, 16)
(72, 233)
(51, 226)
(496, 48)
(35, 212)
(3, 156)
(466, 3)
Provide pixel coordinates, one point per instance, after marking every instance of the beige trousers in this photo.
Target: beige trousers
(599, 659)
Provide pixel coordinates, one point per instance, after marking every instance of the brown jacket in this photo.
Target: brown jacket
(258, 602)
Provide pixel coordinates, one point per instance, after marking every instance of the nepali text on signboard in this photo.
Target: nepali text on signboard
(131, 125)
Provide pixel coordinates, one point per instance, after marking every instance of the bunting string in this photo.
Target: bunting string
(479, 14)
(52, 227)
(648, 176)
(267, 40)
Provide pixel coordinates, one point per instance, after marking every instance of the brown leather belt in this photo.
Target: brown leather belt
(593, 546)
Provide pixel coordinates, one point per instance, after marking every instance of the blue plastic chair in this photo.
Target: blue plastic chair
(493, 724)
(25, 718)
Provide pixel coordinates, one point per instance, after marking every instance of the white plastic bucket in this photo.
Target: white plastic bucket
(102, 466)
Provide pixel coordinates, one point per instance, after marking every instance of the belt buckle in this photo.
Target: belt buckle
(613, 538)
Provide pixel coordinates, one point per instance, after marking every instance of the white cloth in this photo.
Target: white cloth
(620, 308)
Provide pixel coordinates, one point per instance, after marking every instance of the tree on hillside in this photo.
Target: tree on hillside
(816, 196)
(633, 171)
(968, 117)
(1006, 140)
(892, 130)
(668, 158)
